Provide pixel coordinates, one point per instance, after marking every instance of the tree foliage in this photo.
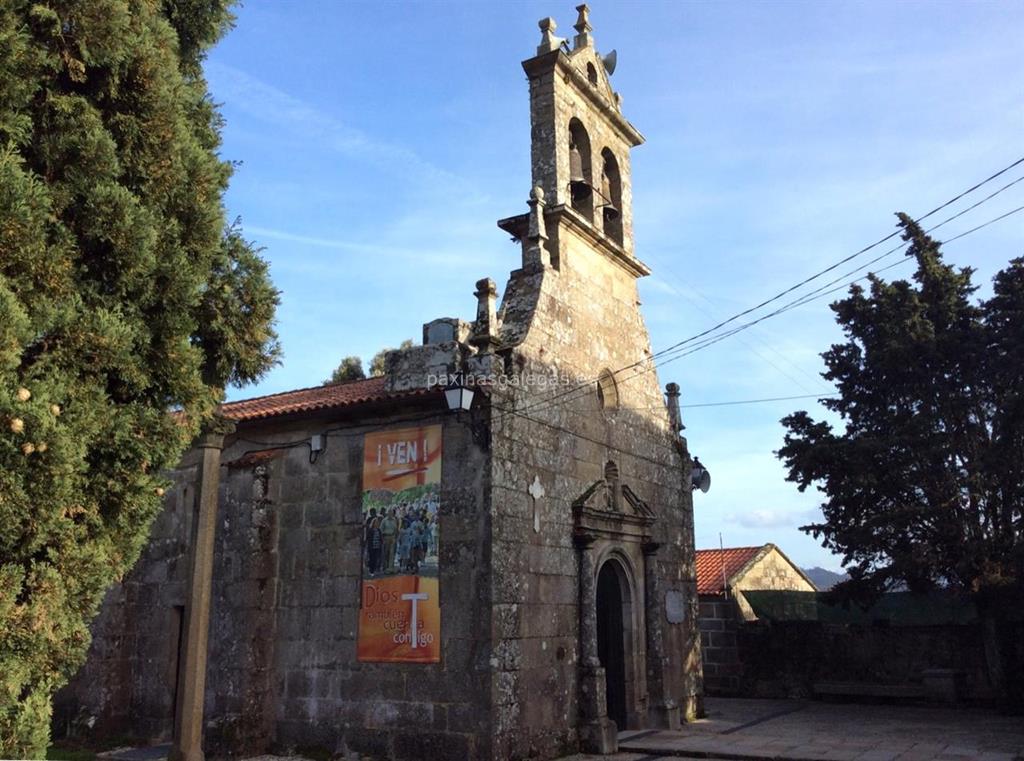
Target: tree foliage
(123, 295)
(377, 363)
(924, 485)
(349, 369)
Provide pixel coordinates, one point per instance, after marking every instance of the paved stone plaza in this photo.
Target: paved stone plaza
(780, 729)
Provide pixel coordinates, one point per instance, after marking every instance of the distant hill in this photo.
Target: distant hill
(823, 578)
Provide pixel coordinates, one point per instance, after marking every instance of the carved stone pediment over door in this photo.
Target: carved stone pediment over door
(609, 509)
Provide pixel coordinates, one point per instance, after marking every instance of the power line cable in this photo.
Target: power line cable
(842, 261)
(737, 401)
(666, 269)
(270, 446)
(814, 295)
(756, 401)
(682, 349)
(792, 288)
(931, 229)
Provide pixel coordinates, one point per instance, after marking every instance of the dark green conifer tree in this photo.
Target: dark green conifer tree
(924, 484)
(124, 296)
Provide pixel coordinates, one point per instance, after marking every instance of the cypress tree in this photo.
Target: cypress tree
(127, 304)
(923, 481)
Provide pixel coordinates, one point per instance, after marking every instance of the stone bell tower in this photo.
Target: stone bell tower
(578, 237)
(592, 560)
(581, 141)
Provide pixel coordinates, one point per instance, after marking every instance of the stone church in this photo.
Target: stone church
(390, 568)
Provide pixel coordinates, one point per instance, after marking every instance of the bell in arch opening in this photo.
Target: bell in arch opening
(580, 173)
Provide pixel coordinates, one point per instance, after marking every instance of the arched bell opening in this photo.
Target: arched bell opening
(611, 197)
(581, 175)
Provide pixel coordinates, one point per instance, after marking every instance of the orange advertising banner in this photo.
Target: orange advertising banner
(400, 612)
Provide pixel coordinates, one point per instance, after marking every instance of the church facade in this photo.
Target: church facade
(386, 576)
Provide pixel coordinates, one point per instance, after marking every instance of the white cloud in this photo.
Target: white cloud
(424, 255)
(269, 104)
(772, 518)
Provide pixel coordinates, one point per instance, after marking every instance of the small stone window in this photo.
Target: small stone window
(592, 73)
(607, 390)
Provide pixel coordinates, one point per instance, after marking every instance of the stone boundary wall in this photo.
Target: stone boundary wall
(787, 658)
(719, 620)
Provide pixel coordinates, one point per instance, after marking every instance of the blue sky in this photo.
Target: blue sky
(380, 142)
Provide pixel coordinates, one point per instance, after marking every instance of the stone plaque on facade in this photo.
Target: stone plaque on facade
(675, 607)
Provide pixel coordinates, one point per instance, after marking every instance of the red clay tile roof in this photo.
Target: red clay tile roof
(313, 399)
(252, 459)
(710, 563)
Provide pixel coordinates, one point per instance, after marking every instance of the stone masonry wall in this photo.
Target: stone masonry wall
(721, 616)
(126, 688)
(787, 658)
(719, 620)
(585, 320)
(326, 698)
(282, 668)
(240, 683)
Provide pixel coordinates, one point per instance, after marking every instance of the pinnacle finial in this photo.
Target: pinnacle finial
(535, 254)
(536, 229)
(548, 41)
(583, 21)
(583, 28)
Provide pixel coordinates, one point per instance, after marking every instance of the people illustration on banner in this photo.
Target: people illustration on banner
(400, 532)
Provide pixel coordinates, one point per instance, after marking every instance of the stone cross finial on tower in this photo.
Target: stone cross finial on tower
(549, 41)
(583, 28)
(535, 253)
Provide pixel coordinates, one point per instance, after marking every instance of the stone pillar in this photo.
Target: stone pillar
(675, 419)
(535, 253)
(485, 329)
(663, 709)
(188, 715)
(598, 733)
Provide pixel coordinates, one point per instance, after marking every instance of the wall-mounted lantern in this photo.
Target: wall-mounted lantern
(458, 395)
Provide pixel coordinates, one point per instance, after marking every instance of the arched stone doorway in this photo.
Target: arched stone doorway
(612, 531)
(613, 617)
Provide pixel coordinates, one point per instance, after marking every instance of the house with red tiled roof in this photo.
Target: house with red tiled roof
(723, 575)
